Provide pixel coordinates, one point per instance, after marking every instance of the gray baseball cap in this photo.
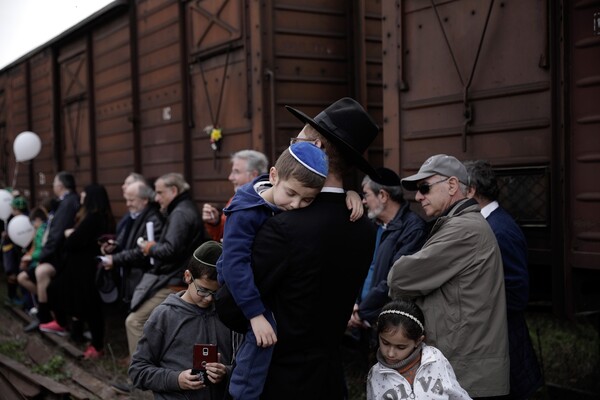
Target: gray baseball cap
(440, 164)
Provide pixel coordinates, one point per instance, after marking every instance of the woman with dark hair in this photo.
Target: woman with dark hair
(73, 295)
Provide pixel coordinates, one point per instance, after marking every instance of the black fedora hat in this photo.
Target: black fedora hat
(348, 126)
(386, 177)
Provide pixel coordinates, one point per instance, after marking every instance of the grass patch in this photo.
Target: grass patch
(568, 352)
(53, 369)
(13, 349)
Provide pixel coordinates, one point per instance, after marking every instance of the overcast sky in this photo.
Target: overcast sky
(27, 24)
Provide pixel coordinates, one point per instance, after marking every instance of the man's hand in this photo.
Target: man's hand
(210, 214)
(355, 320)
(25, 261)
(145, 245)
(189, 381)
(265, 335)
(216, 372)
(107, 262)
(108, 247)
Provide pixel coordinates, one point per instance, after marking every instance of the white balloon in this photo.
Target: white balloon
(20, 230)
(5, 204)
(27, 146)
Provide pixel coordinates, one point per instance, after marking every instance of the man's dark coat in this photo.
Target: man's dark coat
(309, 265)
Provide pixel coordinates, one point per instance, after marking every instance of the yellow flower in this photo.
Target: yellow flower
(215, 135)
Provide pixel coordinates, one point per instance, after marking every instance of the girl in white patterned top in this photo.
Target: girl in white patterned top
(407, 368)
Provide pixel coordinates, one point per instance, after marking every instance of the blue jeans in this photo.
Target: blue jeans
(251, 366)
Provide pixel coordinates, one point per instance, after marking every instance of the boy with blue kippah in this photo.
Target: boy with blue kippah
(294, 182)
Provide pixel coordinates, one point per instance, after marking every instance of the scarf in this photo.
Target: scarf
(407, 367)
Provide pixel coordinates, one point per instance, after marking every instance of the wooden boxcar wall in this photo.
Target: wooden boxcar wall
(114, 141)
(247, 59)
(484, 80)
(321, 51)
(135, 88)
(221, 84)
(582, 152)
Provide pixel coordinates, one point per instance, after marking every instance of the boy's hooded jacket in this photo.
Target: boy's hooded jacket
(245, 215)
(166, 348)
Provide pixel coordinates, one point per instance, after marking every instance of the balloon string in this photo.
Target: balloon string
(14, 181)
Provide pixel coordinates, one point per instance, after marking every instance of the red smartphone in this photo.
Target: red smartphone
(203, 354)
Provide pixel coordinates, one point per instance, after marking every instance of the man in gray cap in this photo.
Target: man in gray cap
(457, 279)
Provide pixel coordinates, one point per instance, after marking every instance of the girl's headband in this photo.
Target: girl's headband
(407, 315)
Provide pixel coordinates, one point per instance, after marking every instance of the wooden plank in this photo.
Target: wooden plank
(54, 338)
(23, 371)
(13, 387)
(93, 384)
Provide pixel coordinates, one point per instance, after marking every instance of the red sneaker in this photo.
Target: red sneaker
(91, 353)
(53, 327)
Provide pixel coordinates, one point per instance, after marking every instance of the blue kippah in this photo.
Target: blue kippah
(311, 157)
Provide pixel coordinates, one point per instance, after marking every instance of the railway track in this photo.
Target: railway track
(18, 381)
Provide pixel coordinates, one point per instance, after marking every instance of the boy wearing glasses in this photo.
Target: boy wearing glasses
(163, 359)
(457, 279)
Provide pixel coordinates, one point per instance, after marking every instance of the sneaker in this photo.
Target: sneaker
(53, 327)
(122, 388)
(32, 312)
(33, 326)
(91, 353)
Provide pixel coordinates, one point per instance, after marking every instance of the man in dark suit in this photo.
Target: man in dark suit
(525, 374)
(310, 263)
(123, 252)
(63, 218)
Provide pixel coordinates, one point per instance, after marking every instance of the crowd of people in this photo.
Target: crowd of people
(437, 305)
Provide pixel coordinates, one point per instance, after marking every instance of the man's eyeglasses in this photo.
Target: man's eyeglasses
(298, 139)
(202, 291)
(424, 188)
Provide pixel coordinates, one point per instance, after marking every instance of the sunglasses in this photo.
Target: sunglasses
(424, 188)
(202, 291)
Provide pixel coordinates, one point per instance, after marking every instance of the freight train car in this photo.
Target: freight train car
(140, 85)
(516, 83)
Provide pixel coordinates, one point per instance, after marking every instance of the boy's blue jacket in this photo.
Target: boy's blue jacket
(245, 215)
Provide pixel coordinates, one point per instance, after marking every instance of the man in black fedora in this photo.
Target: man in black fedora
(310, 263)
